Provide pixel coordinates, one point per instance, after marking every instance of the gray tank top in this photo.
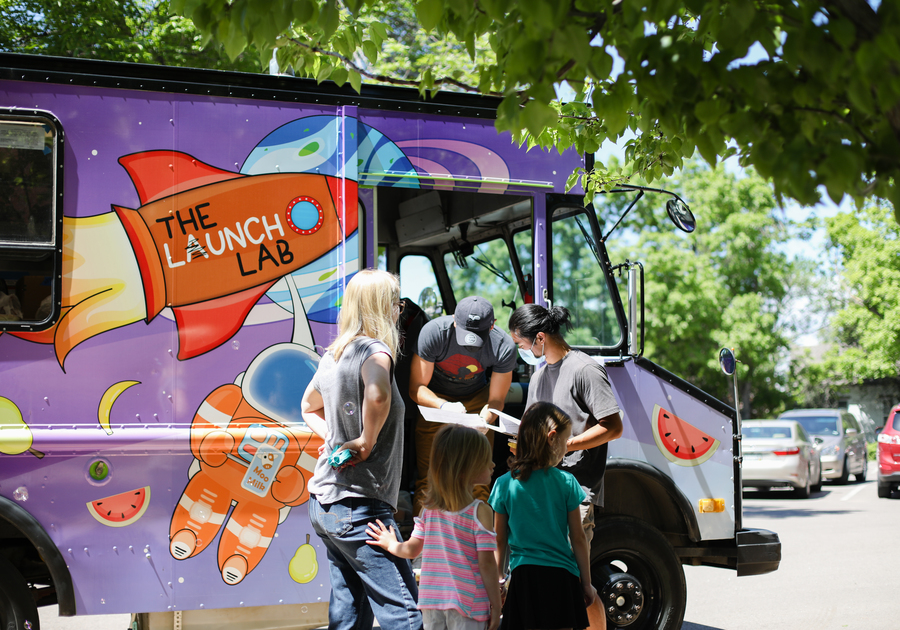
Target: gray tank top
(341, 386)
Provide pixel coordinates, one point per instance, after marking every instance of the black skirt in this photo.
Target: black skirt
(543, 598)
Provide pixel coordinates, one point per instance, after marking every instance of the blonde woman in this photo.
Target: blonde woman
(354, 405)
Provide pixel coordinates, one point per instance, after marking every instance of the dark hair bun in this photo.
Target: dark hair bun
(560, 317)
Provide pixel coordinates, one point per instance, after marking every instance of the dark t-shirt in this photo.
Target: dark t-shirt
(459, 371)
(580, 387)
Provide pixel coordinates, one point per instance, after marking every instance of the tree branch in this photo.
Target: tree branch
(863, 303)
(860, 13)
(842, 119)
(381, 78)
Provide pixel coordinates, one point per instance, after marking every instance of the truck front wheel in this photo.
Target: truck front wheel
(637, 575)
(17, 608)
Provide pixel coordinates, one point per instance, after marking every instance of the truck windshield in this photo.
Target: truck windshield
(488, 272)
(578, 280)
(817, 425)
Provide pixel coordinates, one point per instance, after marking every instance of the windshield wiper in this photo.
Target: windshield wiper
(589, 240)
(492, 269)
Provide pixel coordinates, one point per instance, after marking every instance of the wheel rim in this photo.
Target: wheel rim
(629, 589)
(623, 599)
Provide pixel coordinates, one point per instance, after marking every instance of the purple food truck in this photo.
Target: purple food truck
(174, 245)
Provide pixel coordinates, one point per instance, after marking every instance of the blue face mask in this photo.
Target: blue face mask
(528, 355)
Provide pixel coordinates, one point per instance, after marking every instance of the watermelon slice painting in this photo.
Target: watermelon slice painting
(121, 509)
(681, 442)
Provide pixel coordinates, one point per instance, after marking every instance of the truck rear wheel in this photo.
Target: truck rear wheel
(17, 608)
(637, 575)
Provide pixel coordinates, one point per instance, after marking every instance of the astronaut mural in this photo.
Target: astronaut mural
(252, 450)
(251, 446)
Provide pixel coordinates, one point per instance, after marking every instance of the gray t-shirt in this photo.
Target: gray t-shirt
(459, 371)
(341, 387)
(580, 387)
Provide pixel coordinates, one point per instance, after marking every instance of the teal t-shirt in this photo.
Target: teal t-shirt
(537, 511)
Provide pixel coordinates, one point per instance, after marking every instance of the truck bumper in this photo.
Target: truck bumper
(758, 551)
(751, 552)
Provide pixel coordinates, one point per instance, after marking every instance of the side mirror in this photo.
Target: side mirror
(850, 431)
(727, 360)
(681, 215)
(818, 440)
(430, 303)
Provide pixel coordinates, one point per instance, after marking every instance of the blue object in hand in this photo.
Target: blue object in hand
(339, 459)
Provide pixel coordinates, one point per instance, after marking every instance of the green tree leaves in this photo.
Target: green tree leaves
(866, 326)
(121, 30)
(807, 92)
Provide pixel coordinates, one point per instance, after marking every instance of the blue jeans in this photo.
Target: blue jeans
(367, 583)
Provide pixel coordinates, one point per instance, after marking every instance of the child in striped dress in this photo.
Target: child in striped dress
(459, 585)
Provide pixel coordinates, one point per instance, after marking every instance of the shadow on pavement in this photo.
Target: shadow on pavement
(783, 511)
(687, 625)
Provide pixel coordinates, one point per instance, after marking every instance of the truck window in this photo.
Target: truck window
(28, 226)
(419, 283)
(486, 271)
(522, 242)
(578, 281)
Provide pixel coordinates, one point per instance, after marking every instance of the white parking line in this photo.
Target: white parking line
(852, 493)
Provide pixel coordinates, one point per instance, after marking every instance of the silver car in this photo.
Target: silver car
(780, 453)
(843, 448)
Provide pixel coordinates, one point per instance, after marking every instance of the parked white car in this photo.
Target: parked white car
(780, 453)
(843, 450)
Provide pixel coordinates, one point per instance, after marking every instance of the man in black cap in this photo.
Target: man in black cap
(449, 372)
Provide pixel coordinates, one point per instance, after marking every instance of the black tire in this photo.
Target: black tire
(861, 476)
(17, 608)
(884, 491)
(817, 487)
(845, 474)
(652, 586)
(804, 491)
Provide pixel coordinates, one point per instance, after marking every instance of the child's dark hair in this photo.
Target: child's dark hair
(529, 320)
(533, 450)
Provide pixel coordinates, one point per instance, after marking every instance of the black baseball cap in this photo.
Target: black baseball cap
(474, 317)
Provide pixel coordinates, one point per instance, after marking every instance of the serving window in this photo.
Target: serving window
(30, 220)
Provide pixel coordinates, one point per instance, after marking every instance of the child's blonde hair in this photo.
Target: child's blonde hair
(533, 450)
(367, 309)
(458, 454)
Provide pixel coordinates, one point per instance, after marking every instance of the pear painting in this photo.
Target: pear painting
(15, 436)
(304, 566)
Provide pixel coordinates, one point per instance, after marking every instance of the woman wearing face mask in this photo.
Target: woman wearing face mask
(579, 385)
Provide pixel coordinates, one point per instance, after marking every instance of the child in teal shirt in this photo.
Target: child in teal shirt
(537, 514)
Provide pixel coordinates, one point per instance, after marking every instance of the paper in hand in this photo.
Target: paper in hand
(453, 417)
(508, 424)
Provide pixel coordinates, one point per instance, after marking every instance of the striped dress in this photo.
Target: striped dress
(450, 578)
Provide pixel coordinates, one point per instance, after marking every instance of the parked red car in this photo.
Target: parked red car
(889, 455)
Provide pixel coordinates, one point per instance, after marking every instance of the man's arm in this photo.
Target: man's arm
(420, 374)
(499, 388)
(606, 430)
